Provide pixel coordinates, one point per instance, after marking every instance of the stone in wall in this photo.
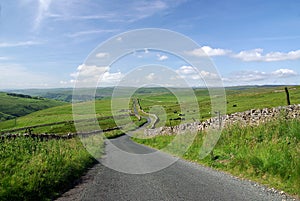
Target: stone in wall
(250, 117)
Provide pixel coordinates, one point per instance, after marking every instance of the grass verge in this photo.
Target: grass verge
(39, 170)
(268, 154)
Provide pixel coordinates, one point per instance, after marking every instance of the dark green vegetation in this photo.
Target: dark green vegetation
(268, 153)
(37, 170)
(17, 105)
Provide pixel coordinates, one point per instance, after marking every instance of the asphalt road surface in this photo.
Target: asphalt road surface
(180, 181)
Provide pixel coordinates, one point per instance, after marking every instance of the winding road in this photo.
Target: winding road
(180, 181)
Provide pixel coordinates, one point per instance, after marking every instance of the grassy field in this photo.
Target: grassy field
(268, 153)
(17, 106)
(57, 114)
(238, 99)
(39, 170)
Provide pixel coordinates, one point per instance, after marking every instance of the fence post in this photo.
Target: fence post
(212, 156)
(287, 95)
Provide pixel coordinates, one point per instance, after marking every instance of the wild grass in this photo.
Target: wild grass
(32, 169)
(268, 153)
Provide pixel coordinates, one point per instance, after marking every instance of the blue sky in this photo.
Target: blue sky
(43, 43)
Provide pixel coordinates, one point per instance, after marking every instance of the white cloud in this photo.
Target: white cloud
(208, 51)
(257, 55)
(247, 76)
(111, 78)
(82, 17)
(189, 72)
(185, 70)
(162, 57)
(246, 55)
(88, 32)
(208, 75)
(102, 54)
(88, 72)
(251, 77)
(18, 44)
(150, 76)
(284, 73)
(89, 76)
(41, 13)
(80, 10)
(249, 55)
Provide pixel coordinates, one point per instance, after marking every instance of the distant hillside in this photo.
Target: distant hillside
(56, 94)
(65, 94)
(16, 105)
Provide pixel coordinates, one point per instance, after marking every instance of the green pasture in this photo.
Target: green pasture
(237, 100)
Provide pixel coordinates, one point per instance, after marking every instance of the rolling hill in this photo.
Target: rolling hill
(17, 105)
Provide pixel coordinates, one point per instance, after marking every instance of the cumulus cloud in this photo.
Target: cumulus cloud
(246, 55)
(85, 71)
(257, 55)
(284, 73)
(90, 75)
(189, 72)
(208, 51)
(185, 70)
(111, 78)
(162, 57)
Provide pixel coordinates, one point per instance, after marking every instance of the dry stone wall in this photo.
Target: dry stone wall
(250, 117)
(46, 136)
